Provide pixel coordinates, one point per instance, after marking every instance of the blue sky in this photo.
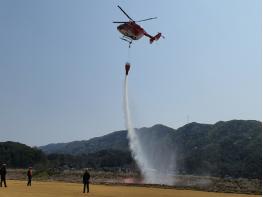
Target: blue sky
(62, 66)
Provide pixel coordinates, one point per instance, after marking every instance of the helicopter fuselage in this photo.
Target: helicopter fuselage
(131, 30)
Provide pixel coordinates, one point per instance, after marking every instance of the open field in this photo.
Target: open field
(56, 189)
(182, 182)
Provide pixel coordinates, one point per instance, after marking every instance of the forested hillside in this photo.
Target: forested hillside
(17, 155)
(224, 149)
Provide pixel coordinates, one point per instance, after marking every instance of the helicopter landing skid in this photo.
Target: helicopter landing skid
(127, 40)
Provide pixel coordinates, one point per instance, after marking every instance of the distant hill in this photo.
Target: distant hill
(19, 155)
(116, 141)
(231, 148)
(224, 149)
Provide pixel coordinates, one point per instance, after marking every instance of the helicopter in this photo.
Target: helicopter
(132, 31)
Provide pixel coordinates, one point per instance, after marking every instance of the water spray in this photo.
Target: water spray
(134, 143)
(154, 170)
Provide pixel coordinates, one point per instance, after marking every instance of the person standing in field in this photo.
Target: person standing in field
(29, 176)
(3, 175)
(86, 177)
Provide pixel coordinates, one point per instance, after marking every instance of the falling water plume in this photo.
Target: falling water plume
(154, 170)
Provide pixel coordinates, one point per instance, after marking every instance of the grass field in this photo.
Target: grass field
(57, 189)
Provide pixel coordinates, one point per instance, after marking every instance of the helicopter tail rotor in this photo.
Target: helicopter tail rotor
(156, 37)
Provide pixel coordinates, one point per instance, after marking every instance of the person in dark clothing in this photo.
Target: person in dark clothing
(3, 175)
(86, 177)
(29, 176)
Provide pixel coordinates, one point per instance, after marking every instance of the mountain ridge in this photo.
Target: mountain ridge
(224, 149)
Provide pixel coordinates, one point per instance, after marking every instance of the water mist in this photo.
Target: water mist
(156, 164)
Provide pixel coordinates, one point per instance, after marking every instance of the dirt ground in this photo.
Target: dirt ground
(57, 189)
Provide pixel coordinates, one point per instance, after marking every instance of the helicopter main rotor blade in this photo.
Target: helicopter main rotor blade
(147, 19)
(119, 22)
(125, 13)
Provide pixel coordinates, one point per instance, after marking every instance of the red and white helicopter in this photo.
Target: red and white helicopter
(132, 31)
